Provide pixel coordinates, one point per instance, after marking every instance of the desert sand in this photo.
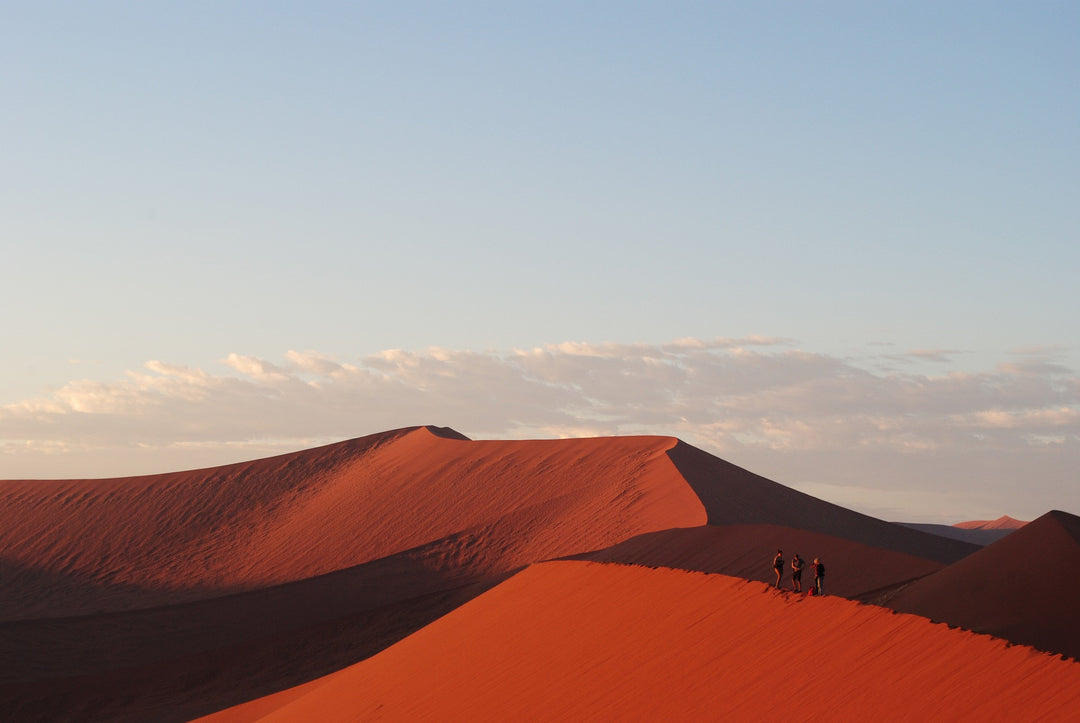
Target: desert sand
(868, 572)
(172, 596)
(1021, 588)
(587, 641)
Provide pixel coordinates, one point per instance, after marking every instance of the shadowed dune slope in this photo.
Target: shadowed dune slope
(171, 664)
(734, 496)
(586, 641)
(89, 546)
(976, 536)
(1022, 588)
(852, 569)
(167, 596)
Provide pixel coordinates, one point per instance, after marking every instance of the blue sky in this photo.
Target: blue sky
(887, 186)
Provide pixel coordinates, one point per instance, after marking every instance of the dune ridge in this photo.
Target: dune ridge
(582, 640)
(353, 545)
(733, 496)
(978, 535)
(853, 570)
(170, 596)
(90, 546)
(1018, 588)
(1002, 523)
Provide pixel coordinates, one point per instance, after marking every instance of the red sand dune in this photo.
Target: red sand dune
(585, 641)
(123, 594)
(172, 595)
(852, 570)
(78, 547)
(1002, 523)
(1023, 588)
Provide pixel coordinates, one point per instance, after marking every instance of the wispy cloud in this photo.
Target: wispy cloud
(760, 402)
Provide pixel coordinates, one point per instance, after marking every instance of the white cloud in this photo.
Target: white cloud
(755, 399)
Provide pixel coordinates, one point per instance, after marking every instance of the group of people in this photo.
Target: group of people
(796, 572)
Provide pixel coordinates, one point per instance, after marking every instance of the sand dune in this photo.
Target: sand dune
(351, 546)
(170, 596)
(1021, 588)
(735, 496)
(1002, 523)
(585, 641)
(853, 570)
(976, 535)
(84, 547)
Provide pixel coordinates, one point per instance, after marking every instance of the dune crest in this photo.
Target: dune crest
(170, 596)
(853, 570)
(1002, 523)
(735, 496)
(1018, 588)
(76, 547)
(585, 641)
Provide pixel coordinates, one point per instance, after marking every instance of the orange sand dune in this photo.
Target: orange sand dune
(1023, 588)
(79, 547)
(852, 570)
(1002, 523)
(173, 595)
(92, 546)
(586, 641)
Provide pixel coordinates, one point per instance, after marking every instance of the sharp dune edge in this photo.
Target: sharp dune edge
(172, 596)
(585, 641)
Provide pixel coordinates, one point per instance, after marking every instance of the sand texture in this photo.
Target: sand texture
(172, 596)
(588, 641)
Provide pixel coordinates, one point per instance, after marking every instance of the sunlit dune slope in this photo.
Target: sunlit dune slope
(852, 569)
(1002, 523)
(587, 641)
(734, 496)
(168, 596)
(1023, 588)
(78, 547)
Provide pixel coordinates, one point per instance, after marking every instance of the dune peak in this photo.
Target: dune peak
(1002, 523)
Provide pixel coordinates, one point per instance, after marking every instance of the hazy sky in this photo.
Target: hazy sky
(835, 243)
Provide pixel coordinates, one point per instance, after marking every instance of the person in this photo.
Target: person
(796, 573)
(778, 565)
(819, 575)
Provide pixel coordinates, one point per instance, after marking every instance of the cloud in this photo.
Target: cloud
(812, 417)
(934, 355)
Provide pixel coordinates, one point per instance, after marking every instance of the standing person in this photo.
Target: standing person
(819, 575)
(796, 573)
(778, 565)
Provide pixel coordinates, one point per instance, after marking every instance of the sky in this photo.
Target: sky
(834, 243)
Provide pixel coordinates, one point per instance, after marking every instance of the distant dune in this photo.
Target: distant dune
(584, 641)
(171, 596)
(976, 535)
(1021, 588)
(1002, 523)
